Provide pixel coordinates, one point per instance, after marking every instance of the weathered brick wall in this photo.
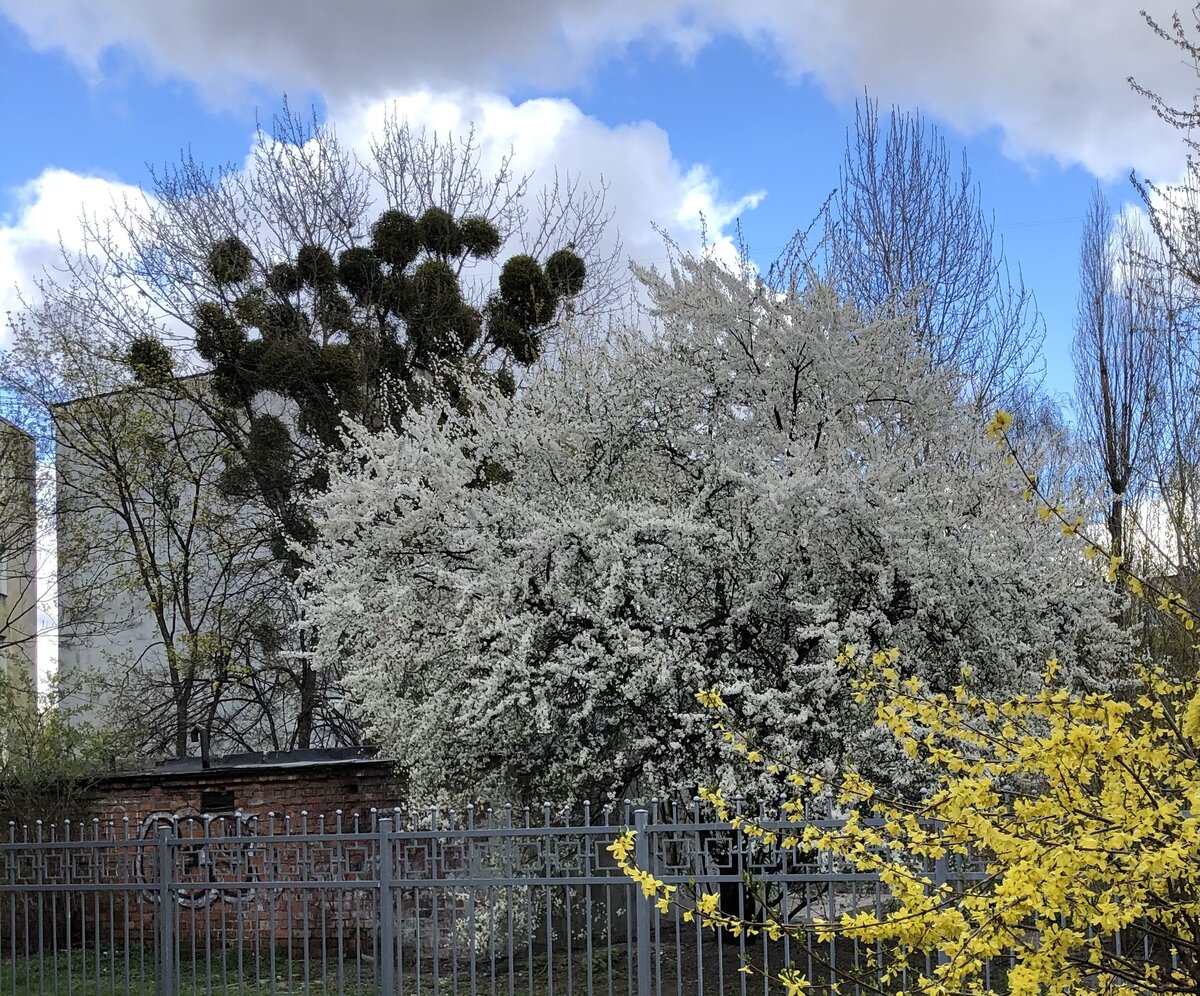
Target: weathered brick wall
(219, 815)
(317, 789)
(243, 879)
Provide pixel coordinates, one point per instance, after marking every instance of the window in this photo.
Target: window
(217, 802)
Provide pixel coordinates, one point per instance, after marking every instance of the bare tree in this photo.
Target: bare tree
(194, 605)
(1176, 433)
(1172, 266)
(172, 613)
(150, 296)
(1174, 208)
(417, 170)
(18, 560)
(1118, 360)
(905, 233)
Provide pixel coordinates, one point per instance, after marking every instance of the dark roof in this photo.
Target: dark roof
(273, 759)
(13, 427)
(125, 389)
(260, 761)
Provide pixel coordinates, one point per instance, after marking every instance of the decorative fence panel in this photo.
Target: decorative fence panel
(502, 903)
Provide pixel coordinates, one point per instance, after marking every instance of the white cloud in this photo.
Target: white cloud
(647, 185)
(1050, 74)
(46, 218)
(352, 47)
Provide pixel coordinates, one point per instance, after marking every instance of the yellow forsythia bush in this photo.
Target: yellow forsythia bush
(1079, 812)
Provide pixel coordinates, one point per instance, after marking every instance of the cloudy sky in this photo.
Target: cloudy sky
(684, 108)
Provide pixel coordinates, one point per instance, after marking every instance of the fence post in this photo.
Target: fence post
(387, 939)
(641, 858)
(166, 935)
(941, 876)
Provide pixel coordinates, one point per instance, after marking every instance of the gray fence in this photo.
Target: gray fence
(496, 902)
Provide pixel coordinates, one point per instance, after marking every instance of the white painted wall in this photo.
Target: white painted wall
(110, 517)
(18, 556)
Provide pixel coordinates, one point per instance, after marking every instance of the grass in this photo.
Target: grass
(82, 974)
(674, 973)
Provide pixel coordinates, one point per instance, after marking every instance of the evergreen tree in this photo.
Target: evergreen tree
(309, 282)
(366, 333)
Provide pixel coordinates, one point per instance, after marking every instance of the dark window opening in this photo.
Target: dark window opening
(350, 788)
(217, 802)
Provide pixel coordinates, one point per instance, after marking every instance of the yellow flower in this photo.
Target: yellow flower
(1114, 566)
(622, 846)
(650, 884)
(794, 983)
(1175, 605)
(710, 698)
(1191, 719)
(1031, 487)
(1104, 821)
(1000, 424)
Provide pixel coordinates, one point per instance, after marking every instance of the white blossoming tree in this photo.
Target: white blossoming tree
(526, 599)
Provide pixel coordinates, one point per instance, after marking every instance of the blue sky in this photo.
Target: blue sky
(680, 105)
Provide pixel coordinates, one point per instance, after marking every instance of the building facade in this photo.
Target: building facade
(174, 615)
(164, 583)
(18, 559)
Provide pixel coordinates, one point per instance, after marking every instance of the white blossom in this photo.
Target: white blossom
(528, 596)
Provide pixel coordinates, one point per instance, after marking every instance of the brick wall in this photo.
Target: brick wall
(318, 789)
(300, 881)
(205, 807)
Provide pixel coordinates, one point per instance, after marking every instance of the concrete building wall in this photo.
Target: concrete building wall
(104, 626)
(154, 565)
(18, 557)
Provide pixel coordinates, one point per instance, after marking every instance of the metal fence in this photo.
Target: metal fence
(497, 902)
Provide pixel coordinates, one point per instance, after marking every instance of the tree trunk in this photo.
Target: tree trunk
(1116, 524)
(308, 705)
